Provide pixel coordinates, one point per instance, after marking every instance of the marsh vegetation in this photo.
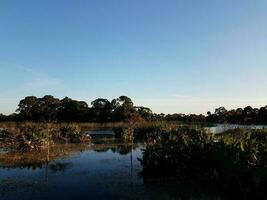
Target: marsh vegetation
(232, 163)
(26, 137)
(122, 109)
(173, 150)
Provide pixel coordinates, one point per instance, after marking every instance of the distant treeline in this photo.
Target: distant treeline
(248, 115)
(51, 109)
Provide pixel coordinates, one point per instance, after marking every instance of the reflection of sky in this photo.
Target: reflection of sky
(219, 128)
(88, 175)
(174, 56)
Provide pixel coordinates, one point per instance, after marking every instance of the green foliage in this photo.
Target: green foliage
(50, 109)
(248, 115)
(26, 137)
(237, 158)
(170, 152)
(32, 137)
(72, 133)
(121, 109)
(125, 134)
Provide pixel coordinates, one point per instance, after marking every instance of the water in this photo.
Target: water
(108, 171)
(100, 134)
(219, 128)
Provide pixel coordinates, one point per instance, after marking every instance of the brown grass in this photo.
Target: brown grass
(38, 158)
(13, 159)
(90, 125)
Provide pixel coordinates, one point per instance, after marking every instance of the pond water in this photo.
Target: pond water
(99, 172)
(219, 128)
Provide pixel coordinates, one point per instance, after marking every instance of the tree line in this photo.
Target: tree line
(247, 115)
(51, 109)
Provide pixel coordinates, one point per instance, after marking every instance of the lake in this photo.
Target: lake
(219, 128)
(100, 171)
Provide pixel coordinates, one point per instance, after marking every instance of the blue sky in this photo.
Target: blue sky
(184, 56)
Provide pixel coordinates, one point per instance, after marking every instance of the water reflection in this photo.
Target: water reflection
(60, 166)
(38, 159)
(11, 186)
(219, 128)
(100, 171)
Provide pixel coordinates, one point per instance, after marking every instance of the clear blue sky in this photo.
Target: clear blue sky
(186, 56)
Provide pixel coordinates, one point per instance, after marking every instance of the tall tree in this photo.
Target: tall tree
(102, 109)
(124, 108)
(27, 108)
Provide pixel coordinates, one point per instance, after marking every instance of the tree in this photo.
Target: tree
(28, 107)
(124, 108)
(48, 108)
(144, 112)
(72, 110)
(2, 117)
(102, 109)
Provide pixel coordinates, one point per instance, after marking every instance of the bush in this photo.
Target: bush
(25, 137)
(236, 159)
(72, 133)
(169, 153)
(32, 137)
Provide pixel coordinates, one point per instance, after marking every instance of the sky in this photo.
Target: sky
(174, 56)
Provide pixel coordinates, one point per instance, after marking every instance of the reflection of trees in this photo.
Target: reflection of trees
(185, 189)
(39, 159)
(59, 167)
(10, 185)
(122, 149)
(102, 150)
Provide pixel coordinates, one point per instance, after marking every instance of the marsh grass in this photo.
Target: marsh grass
(38, 158)
(27, 136)
(31, 136)
(91, 125)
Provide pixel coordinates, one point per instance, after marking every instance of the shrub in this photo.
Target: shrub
(72, 133)
(236, 159)
(32, 137)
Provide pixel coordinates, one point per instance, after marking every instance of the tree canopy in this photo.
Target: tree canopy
(51, 109)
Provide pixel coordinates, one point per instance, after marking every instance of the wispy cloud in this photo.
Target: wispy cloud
(40, 81)
(182, 96)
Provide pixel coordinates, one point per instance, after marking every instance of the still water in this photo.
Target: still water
(109, 171)
(219, 128)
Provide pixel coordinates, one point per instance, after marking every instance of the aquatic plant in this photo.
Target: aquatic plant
(25, 137)
(236, 159)
(142, 131)
(72, 133)
(33, 137)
